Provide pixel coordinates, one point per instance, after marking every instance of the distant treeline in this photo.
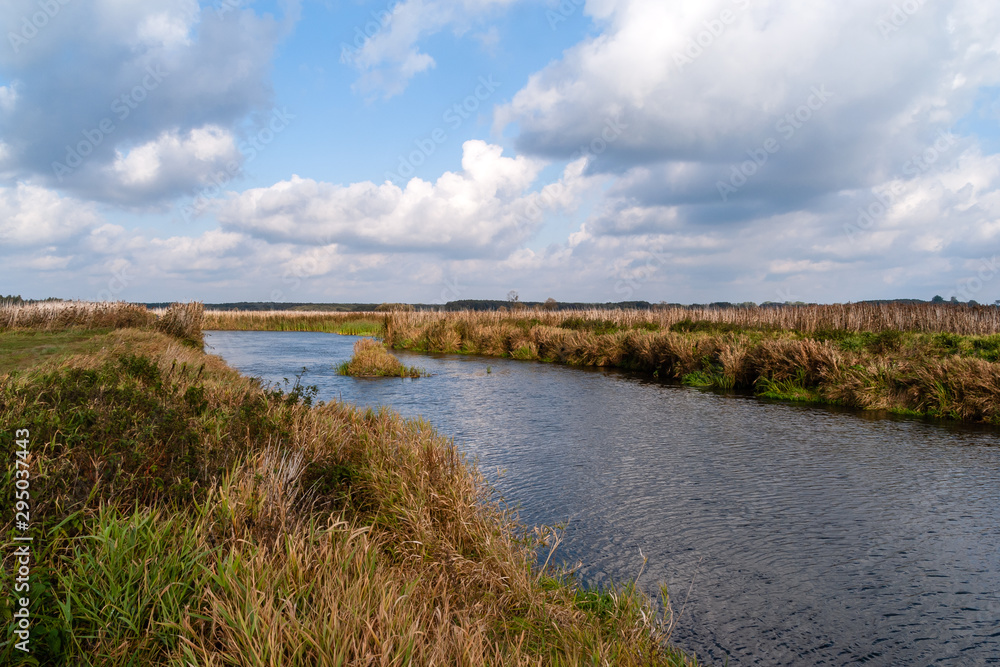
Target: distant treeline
(284, 306)
(18, 301)
(497, 304)
(485, 305)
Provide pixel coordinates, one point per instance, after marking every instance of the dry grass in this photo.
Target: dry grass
(914, 371)
(371, 359)
(57, 316)
(184, 515)
(184, 321)
(870, 317)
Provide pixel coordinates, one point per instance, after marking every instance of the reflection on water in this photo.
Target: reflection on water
(812, 536)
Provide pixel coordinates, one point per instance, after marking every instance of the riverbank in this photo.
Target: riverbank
(935, 360)
(182, 513)
(929, 369)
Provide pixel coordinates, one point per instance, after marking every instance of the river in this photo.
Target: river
(805, 535)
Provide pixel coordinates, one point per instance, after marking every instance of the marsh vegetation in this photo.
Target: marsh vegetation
(932, 360)
(184, 514)
(372, 359)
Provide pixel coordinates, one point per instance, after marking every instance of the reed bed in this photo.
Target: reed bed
(181, 320)
(859, 317)
(911, 371)
(57, 316)
(185, 515)
(354, 324)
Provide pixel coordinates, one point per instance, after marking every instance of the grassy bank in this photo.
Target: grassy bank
(183, 514)
(926, 369)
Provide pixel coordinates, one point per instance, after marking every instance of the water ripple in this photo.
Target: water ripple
(812, 536)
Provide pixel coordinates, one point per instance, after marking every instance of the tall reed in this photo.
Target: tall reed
(823, 360)
(54, 316)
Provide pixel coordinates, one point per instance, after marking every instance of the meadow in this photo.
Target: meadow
(183, 514)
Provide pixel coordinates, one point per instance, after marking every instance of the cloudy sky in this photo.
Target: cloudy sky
(432, 150)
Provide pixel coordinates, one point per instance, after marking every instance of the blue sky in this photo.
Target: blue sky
(424, 151)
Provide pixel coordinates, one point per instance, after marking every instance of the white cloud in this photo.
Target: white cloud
(33, 216)
(482, 209)
(143, 74)
(390, 57)
(172, 162)
(701, 84)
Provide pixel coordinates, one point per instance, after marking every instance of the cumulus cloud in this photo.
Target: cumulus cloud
(111, 78)
(170, 163)
(914, 236)
(702, 86)
(33, 216)
(483, 209)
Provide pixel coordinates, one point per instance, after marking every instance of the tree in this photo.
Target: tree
(512, 297)
(551, 304)
(938, 299)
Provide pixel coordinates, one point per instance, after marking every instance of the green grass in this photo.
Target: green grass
(794, 390)
(128, 578)
(21, 350)
(699, 379)
(330, 322)
(360, 328)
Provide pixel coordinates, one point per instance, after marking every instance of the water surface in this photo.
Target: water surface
(812, 536)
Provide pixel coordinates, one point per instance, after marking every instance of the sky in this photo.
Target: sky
(427, 151)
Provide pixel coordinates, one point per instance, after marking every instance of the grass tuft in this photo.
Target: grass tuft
(184, 321)
(372, 359)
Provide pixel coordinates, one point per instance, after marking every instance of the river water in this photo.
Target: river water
(805, 535)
